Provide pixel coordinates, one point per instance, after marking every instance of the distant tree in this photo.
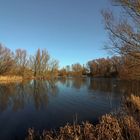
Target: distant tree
(39, 63)
(43, 66)
(6, 60)
(53, 67)
(21, 61)
(63, 72)
(77, 69)
(105, 67)
(85, 70)
(68, 70)
(93, 67)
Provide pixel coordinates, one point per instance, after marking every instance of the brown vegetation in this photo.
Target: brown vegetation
(10, 79)
(123, 125)
(124, 36)
(18, 63)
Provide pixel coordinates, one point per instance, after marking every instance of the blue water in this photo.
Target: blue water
(51, 104)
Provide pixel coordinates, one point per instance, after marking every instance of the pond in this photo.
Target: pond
(51, 104)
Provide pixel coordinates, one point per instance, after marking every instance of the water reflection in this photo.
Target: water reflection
(79, 82)
(17, 96)
(104, 85)
(114, 86)
(76, 83)
(51, 104)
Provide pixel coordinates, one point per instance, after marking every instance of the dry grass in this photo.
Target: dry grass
(108, 128)
(130, 128)
(132, 107)
(10, 79)
(125, 125)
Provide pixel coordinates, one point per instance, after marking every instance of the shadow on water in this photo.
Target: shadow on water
(51, 104)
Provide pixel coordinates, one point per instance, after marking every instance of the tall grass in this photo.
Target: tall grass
(10, 79)
(123, 125)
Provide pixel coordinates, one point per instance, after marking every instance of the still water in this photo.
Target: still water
(51, 104)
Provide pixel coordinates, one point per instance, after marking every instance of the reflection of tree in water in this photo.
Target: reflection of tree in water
(111, 85)
(13, 95)
(6, 91)
(63, 80)
(40, 95)
(19, 95)
(128, 87)
(79, 82)
(99, 84)
(41, 91)
(74, 82)
(52, 87)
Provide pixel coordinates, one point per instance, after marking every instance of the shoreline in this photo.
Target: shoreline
(10, 79)
(124, 124)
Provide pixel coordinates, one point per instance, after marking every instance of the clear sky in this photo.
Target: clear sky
(71, 30)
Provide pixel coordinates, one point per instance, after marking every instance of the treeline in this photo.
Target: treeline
(124, 67)
(76, 70)
(39, 65)
(124, 36)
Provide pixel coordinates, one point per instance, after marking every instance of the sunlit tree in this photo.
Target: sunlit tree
(39, 63)
(6, 60)
(124, 34)
(21, 61)
(77, 69)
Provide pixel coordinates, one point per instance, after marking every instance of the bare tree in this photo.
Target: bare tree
(40, 63)
(77, 69)
(6, 60)
(124, 34)
(21, 62)
(53, 68)
(105, 67)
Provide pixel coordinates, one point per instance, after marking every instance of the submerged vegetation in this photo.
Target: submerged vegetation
(124, 124)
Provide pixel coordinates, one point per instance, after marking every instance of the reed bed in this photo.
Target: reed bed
(10, 79)
(121, 125)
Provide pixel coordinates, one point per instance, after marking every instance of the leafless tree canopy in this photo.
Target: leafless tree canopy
(6, 60)
(124, 32)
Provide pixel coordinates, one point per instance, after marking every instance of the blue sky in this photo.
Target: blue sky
(71, 30)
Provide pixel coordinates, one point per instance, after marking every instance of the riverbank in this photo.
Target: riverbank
(124, 124)
(10, 79)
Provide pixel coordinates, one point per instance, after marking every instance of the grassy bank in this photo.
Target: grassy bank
(123, 124)
(10, 79)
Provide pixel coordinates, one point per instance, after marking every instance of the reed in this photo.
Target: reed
(10, 79)
(123, 125)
